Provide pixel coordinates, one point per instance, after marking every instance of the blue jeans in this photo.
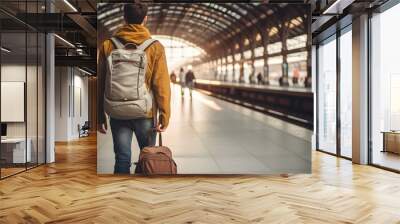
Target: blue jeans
(122, 132)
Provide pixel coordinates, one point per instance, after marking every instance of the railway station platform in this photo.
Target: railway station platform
(211, 136)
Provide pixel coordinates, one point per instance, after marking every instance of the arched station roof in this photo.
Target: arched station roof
(213, 26)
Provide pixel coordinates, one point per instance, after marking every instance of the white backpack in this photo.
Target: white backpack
(126, 94)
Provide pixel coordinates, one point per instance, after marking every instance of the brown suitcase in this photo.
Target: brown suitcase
(155, 160)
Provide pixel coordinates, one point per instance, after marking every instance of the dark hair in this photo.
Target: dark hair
(134, 13)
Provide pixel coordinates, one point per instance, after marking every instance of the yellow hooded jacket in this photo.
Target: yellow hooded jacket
(157, 78)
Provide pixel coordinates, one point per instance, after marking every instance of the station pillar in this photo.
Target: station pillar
(50, 91)
(360, 103)
(285, 67)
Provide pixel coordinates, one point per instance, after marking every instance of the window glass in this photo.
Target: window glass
(246, 42)
(259, 51)
(346, 94)
(230, 59)
(385, 88)
(237, 57)
(236, 71)
(295, 22)
(274, 48)
(247, 54)
(275, 69)
(259, 66)
(258, 37)
(230, 71)
(14, 68)
(297, 42)
(272, 31)
(297, 63)
(327, 96)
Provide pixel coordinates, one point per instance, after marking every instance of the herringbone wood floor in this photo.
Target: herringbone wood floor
(69, 191)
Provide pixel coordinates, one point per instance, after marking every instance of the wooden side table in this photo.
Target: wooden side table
(391, 141)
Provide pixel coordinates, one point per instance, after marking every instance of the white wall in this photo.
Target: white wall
(16, 73)
(71, 87)
(79, 117)
(61, 103)
(33, 127)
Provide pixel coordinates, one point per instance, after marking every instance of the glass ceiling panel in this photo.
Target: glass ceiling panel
(108, 13)
(179, 51)
(239, 7)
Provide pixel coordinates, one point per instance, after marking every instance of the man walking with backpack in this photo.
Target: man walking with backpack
(182, 81)
(132, 80)
(189, 80)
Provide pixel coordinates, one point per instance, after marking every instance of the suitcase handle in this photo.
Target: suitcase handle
(155, 117)
(159, 137)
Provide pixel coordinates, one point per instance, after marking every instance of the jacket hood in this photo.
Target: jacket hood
(135, 33)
